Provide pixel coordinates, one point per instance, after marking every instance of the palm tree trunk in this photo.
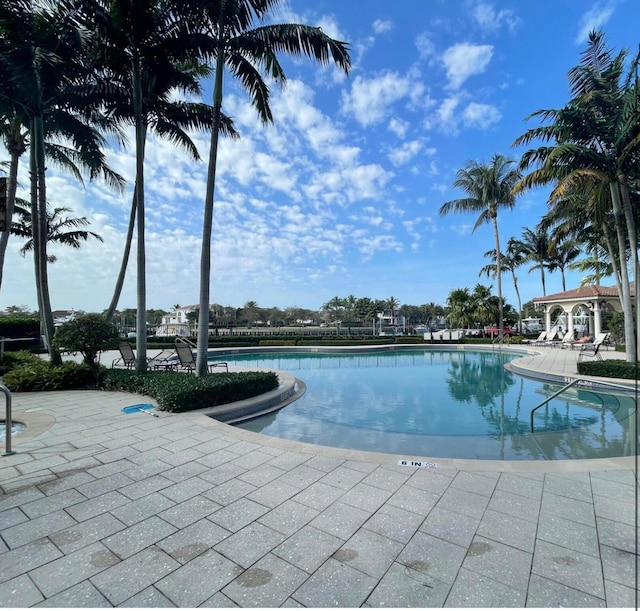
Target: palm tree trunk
(207, 223)
(12, 185)
(633, 244)
(499, 280)
(113, 306)
(627, 303)
(141, 288)
(40, 235)
(515, 286)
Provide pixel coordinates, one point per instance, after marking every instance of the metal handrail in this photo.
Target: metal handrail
(7, 441)
(573, 383)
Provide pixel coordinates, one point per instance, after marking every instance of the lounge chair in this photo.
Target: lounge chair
(561, 342)
(541, 338)
(127, 357)
(188, 362)
(167, 359)
(593, 349)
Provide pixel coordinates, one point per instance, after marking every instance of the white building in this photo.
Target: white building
(176, 323)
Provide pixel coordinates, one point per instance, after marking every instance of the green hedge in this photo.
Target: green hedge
(41, 375)
(180, 392)
(612, 368)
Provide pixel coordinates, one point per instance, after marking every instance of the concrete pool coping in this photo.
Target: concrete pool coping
(109, 509)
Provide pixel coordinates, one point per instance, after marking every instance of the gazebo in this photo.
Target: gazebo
(594, 299)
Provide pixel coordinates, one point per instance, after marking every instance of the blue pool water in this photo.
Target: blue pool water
(456, 404)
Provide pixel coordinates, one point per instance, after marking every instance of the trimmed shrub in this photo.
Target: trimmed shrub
(13, 359)
(42, 375)
(409, 339)
(180, 392)
(277, 342)
(612, 368)
(87, 334)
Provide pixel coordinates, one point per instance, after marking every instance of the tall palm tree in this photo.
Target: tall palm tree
(248, 52)
(562, 254)
(42, 59)
(535, 247)
(489, 187)
(459, 307)
(146, 52)
(60, 229)
(596, 136)
(511, 259)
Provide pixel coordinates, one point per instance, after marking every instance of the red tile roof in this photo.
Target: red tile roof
(583, 292)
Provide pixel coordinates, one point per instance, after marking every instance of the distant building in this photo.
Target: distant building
(62, 316)
(176, 323)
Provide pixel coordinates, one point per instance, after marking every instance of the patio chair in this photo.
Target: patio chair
(568, 336)
(127, 357)
(541, 338)
(188, 362)
(593, 349)
(167, 359)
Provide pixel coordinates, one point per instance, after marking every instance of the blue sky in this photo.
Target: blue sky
(341, 195)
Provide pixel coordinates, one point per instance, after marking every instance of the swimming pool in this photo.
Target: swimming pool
(442, 403)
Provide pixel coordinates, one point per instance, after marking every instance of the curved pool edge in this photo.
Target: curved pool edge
(289, 389)
(457, 464)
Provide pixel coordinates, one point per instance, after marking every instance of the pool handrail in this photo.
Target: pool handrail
(573, 383)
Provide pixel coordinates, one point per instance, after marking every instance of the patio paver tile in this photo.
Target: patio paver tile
(547, 593)
(308, 549)
(403, 587)
(19, 593)
(395, 523)
(335, 585)
(188, 587)
(571, 568)
(73, 568)
(267, 584)
(248, 545)
(127, 578)
(472, 589)
(508, 565)
(369, 552)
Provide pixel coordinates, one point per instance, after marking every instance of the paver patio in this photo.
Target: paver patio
(102, 509)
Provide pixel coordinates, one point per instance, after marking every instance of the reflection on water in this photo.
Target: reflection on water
(457, 404)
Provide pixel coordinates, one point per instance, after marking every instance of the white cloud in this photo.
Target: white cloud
(490, 19)
(370, 100)
(425, 46)
(594, 19)
(480, 115)
(382, 26)
(405, 152)
(464, 60)
(398, 126)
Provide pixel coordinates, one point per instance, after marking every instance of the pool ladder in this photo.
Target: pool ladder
(7, 439)
(573, 383)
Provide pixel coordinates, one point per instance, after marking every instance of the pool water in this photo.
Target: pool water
(453, 404)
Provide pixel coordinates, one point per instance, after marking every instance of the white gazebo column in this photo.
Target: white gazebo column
(547, 319)
(597, 318)
(569, 319)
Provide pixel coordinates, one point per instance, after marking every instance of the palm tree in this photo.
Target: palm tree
(489, 187)
(42, 61)
(511, 259)
(248, 52)
(596, 136)
(392, 303)
(60, 230)
(561, 255)
(459, 307)
(535, 247)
